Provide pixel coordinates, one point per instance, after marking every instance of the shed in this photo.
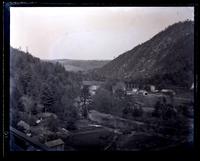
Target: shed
(22, 124)
(55, 145)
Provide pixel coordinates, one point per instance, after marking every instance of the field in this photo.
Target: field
(151, 99)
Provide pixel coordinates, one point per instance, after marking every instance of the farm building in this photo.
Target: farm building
(55, 145)
(143, 92)
(168, 91)
(23, 125)
(153, 88)
(131, 85)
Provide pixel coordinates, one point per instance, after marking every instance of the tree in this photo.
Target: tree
(169, 112)
(47, 97)
(137, 111)
(24, 79)
(109, 84)
(52, 124)
(68, 113)
(27, 104)
(15, 95)
(84, 97)
(120, 93)
(164, 110)
(127, 104)
(157, 109)
(103, 101)
(71, 116)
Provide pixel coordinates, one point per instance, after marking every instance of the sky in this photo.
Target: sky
(88, 33)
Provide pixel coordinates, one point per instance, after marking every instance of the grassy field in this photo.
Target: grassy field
(94, 139)
(151, 99)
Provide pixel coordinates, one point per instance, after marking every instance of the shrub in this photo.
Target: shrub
(157, 109)
(137, 111)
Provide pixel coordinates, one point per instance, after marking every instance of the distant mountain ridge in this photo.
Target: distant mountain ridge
(165, 59)
(80, 65)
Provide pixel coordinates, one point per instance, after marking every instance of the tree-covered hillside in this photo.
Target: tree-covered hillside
(80, 65)
(37, 87)
(166, 59)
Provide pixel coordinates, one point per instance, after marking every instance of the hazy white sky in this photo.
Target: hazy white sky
(88, 32)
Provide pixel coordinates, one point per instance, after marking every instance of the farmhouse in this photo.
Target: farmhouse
(131, 85)
(143, 92)
(23, 125)
(133, 91)
(153, 88)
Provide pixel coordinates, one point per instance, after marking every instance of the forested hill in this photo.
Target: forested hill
(36, 84)
(80, 65)
(166, 59)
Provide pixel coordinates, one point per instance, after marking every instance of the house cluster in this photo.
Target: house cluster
(131, 88)
(33, 132)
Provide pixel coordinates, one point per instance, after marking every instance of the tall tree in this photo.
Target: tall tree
(84, 97)
(47, 97)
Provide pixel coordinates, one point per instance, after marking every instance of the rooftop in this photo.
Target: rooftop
(92, 83)
(54, 143)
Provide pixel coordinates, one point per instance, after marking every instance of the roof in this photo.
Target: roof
(30, 140)
(47, 114)
(23, 124)
(89, 83)
(54, 143)
(167, 90)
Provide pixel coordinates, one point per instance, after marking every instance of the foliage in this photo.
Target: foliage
(164, 110)
(52, 124)
(168, 59)
(137, 111)
(39, 86)
(103, 101)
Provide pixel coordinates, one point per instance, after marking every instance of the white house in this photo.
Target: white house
(143, 92)
(168, 91)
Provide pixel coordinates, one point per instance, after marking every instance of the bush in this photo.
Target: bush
(185, 110)
(103, 101)
(52, 124)
(32, 121)
(137, 111)
(71, 125)
(164, 110)
(157, 109)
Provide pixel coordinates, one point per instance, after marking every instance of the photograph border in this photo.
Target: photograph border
(6, 75)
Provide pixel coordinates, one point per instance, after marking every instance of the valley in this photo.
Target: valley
(141, 100)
